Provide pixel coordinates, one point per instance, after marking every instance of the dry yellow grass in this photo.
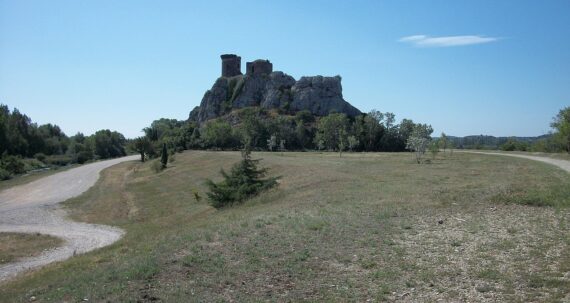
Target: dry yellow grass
(361, 227)
(15, 246)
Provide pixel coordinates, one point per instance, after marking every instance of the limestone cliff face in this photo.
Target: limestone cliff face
(321, 96)
(277, 90)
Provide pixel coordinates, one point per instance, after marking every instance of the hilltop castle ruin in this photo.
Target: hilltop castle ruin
(275, 90)
(231, 66)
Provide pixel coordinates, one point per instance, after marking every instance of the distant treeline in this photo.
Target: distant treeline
(269, 130)
(25, 146)
(374, 131)
(554, 142)
(546, 143)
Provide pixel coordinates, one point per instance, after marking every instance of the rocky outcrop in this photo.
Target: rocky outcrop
(321, 96)
(211, 104)
(277, 90)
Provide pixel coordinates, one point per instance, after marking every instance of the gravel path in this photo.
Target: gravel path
(562, 164)
(32, 208)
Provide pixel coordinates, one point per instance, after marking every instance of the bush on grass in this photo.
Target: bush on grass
(245, 180)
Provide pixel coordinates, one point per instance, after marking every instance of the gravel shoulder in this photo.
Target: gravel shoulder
(33, 208)
(562, 164)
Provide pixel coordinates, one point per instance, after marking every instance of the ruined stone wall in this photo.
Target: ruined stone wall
(259, 67)
(231, 65)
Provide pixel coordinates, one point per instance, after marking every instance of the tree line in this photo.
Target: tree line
(267, 130)
(26, 146)
(554, 142)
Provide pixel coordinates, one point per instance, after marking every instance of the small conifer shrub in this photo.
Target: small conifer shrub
(245, 180)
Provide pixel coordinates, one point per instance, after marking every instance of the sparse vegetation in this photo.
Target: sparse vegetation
(156, 166)
(365, 223)
(419, 140)
(15, 246)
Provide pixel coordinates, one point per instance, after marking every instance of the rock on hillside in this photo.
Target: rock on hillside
(276, 90)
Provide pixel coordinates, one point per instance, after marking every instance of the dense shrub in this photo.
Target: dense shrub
(244, 181)
(13, 164)
(60, 160)
(4, 174)
(218, 134)
(83, 156)
(515, 145)
(40, 157)
(33, 164)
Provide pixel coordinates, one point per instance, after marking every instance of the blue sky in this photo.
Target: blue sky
(466, 67)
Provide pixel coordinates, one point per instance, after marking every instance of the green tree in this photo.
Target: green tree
(108, 144)
(352, 143)
(513, 144)
(252, 126)
(342, 141)
(562, 125)
(329, 130)
(434, 148)
(217, 134)
(143, 146)
(195, 138)
(164, 156)
(272, 142)
(282, 146)
(419, 140)
(244, 181)
(4, 116)
(443, 142)
(303, 137)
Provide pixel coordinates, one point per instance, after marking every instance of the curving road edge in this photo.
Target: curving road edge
(32, 208)
(562, 164)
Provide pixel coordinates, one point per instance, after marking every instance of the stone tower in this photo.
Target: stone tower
(231, 65)
(258, 67)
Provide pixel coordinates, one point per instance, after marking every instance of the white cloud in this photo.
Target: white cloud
(427, 41)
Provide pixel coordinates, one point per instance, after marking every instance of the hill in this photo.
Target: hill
(262, 87)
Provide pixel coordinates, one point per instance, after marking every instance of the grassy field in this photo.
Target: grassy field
(362, 227)
(14, 246)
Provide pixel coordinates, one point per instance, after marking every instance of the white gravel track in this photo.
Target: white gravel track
(32, 208)
(562, 164)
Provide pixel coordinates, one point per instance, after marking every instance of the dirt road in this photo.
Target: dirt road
(32, 208)
(562, 164)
